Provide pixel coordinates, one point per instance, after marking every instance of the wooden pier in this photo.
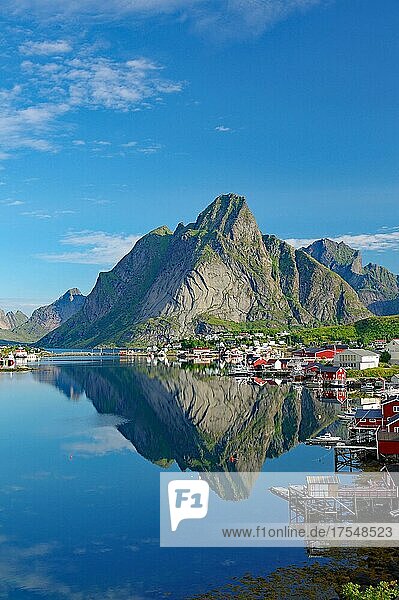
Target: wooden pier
(324, 498)
(352, 457)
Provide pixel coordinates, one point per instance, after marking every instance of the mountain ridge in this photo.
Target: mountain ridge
(45, 318)
(376, 286)
(220, 265)
(9, 320)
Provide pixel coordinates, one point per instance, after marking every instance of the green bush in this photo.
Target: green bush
(385, 357)
(385, 590)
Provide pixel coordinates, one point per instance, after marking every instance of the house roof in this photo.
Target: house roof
(359, 352)
(336, 347)
(371, 413)
(393, 419)
(321, 479)
(315, 349)
(260, 361)
(325, 368)
(389, 400)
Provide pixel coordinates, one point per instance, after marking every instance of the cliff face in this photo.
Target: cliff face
(109, 311)
(376, 286)
(172, 285)
(315, 294)
(47, 318)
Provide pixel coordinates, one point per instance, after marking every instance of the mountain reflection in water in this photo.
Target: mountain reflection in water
(196, 420)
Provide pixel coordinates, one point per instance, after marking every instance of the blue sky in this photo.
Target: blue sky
(118, 116)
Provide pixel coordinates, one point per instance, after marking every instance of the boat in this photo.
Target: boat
(347, 416)
(314, 384)
(337, 384)
(367, 387)
(240, 372)
(327, 439)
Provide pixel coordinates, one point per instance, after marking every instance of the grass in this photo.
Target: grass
(380, 372)
(361, 332)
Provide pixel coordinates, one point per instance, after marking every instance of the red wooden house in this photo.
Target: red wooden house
(385, 422)
(327, 372)
(368, 418)
(388, 443)
(388, 435)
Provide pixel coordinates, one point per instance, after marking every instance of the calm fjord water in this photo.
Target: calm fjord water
(82, 446)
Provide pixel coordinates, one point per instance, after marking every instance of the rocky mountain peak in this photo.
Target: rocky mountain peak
(71, 293)
(228, 215)
(337, 256)
(376, 286)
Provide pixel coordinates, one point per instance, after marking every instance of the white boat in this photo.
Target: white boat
(367, 387)
(325, 439)
(313, 384)
(240, 372)
(347, 416)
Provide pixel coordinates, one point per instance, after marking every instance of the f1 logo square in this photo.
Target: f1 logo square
(188, 499)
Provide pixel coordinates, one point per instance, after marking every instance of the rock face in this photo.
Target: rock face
(313, 292)
(10, 320)
(377, 287)
(219, 267)
(47, 318)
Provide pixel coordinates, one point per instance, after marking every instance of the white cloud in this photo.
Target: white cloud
(238, 18)
(45, 48)
(37, 214)
(222, 128)
(93, 248)
(227, 18)
(86, 81)
(97, 9)
(102, 441)
(31, 112)
(43, 214)
(26, 305)
(26, 126)
(13, 202)
(363, 241)
(129, 145)
(151, 148)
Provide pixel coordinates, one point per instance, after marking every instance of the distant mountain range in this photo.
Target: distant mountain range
(19, 327)
(217, 270)
(377, 287)
(10, 320)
